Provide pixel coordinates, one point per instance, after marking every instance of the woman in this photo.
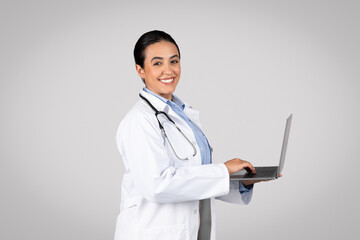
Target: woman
(167, 176)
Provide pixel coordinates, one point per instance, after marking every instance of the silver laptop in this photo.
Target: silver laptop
(265, 173)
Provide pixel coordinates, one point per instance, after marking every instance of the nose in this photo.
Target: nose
(167, 69)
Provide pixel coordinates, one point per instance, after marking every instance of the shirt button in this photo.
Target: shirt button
(194, 143)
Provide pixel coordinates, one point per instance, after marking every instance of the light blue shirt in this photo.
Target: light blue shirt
(205, 150)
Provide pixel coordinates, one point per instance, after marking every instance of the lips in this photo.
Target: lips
(169, 80)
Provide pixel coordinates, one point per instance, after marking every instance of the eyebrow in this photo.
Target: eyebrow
(161, 58)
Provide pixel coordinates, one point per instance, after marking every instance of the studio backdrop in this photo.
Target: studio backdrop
(67, 78)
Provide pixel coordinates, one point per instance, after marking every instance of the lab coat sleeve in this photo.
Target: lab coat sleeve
(142, 147)
(234, 195)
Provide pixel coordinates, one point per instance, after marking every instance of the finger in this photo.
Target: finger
(251, 167)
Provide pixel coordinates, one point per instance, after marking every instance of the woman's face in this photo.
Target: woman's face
(162, 68)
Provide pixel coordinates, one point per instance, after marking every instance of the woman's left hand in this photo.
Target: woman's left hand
(249, 182)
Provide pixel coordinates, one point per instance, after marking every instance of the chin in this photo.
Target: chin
(169, 89)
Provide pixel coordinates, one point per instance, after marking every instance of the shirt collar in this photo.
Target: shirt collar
(175, 99)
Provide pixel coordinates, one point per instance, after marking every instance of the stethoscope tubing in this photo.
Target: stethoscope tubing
(157, 112)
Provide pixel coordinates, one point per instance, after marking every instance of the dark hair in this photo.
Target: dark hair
(147, 39)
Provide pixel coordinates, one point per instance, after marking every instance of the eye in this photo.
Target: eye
(157, 63)
(175, 61)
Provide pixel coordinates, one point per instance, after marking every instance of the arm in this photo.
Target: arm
(239, 192)
(153, 173)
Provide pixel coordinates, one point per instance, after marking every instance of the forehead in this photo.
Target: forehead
(161, 49)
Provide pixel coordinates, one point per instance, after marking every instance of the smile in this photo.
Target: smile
(167, 80)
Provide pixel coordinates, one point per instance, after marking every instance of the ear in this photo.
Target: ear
(140, 71)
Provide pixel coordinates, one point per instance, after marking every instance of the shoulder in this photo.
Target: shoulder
(140, 111)
(140, 116)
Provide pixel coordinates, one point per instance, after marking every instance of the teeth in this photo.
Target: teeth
(167, 81)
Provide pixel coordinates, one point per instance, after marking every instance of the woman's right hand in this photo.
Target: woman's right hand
(237, 164)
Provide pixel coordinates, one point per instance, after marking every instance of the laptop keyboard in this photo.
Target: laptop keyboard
(263, 172)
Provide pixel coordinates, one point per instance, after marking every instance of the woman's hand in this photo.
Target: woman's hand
(237, 164)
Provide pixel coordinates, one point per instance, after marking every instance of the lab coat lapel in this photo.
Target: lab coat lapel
(156, 102)
(193, 115)
(161, 106)
(180, 122)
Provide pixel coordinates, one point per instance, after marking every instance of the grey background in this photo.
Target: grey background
(68, 78)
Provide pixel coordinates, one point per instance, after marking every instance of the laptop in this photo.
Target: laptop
(266, 173)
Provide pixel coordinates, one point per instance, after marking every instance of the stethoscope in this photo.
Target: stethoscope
(157, 113)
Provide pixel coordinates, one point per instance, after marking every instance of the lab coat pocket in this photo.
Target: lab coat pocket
(175, 232)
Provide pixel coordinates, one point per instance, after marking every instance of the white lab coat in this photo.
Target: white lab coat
(160, 193)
